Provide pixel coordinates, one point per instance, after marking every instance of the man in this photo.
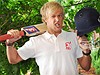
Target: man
(56, 51)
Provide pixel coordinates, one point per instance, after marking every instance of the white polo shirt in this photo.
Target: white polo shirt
(54, 55)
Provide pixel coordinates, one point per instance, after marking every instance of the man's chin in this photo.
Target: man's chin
(58, 30)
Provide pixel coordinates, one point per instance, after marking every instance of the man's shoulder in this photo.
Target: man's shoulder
(37, 37)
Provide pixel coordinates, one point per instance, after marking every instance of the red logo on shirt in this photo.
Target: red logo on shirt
(68, 45)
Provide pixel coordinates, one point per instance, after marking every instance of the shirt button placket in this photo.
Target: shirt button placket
(56, 45)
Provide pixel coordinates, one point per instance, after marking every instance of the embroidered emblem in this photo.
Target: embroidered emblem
(68, 45)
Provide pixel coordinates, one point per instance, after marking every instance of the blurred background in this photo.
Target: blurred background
(15, 14)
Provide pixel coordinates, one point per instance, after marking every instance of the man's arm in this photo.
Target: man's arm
(85, 62)
(12, 55)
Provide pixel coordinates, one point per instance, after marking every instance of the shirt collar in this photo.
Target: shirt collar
(48, 35)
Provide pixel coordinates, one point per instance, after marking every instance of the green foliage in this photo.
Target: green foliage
(73, 6)
(96, 60)
(5, 67)
(31, 65)
(15, 14)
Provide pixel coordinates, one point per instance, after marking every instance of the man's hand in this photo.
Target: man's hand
(15, 34)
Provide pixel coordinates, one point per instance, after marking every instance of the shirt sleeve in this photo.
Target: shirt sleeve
(27, 50)
(78, 49)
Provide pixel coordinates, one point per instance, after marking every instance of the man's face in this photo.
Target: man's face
(54, 21)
